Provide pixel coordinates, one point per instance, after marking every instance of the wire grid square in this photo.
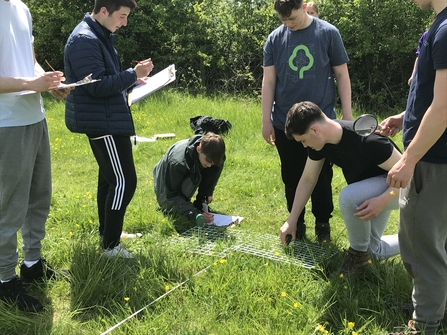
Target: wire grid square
(217, 241)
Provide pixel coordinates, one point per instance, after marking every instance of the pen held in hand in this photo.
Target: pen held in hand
(50, 66)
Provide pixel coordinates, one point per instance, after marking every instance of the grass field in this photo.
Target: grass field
(238, 293)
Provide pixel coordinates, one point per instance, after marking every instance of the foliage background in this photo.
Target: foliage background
(217, 44)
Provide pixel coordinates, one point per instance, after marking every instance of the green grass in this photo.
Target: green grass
(239, 294)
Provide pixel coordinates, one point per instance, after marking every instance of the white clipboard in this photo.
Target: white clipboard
(153, 84)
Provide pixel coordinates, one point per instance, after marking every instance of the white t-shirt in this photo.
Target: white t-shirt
(16, 60)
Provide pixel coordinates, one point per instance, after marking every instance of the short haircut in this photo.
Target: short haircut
(314, 6)
(284, 7)
(213, 147)
(300, 117)
(113, 5)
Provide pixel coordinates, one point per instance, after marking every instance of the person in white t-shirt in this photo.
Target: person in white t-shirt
(25, 171)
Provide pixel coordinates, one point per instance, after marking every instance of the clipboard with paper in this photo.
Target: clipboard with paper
(153, 84)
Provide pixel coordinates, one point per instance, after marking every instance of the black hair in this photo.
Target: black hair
(300, 117)
(284, 7)
(113, 5)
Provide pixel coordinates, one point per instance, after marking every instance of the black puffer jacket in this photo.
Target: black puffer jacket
(99, 108)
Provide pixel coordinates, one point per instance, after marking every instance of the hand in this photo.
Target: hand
(61, 93)
(391, 125)
(287, 229)
(268, 132)
(400, 174)
(370, 209)
(143, 68)
(141, 80)
(209, 218)
(209, 199)
(47, 81)
(410, 80)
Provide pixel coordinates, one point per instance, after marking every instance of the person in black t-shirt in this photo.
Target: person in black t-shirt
(367, 201)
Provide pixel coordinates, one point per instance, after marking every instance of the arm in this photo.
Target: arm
(433, 125)
(392, 125)
(268, 96)
(303, 192)
(372, 207)
(412, 73)
(341, 74)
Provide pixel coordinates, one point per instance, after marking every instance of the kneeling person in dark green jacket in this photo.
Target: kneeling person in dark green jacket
(189, 164)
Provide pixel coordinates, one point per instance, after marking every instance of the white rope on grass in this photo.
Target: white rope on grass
(151, 303)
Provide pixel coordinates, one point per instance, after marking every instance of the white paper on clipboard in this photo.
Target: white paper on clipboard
(61, 86)
(154, 83)
(221, 220)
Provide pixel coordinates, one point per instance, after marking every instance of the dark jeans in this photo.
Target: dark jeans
(293, 158)
(117, 181)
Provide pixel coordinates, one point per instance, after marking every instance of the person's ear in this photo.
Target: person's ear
(304, 6)
(104, 11)
(314, 128)
(198, 148)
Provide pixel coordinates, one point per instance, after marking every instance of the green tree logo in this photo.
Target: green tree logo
(304, 68)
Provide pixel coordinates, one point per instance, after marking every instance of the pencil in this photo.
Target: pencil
(50, 65)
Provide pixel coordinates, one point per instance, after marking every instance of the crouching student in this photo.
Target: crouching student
(367, 201)
(188, 165)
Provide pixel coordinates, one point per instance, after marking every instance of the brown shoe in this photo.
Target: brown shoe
(355, 263)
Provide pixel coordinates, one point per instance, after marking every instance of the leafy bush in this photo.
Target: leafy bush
(217, 44)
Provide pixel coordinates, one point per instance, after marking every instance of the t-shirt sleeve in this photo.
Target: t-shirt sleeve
(379, 148)
(268, 51)
(337, 50)
(314, 154)
(440, 47)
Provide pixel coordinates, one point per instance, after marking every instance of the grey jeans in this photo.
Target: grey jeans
(367, 235)
(25, 192)
(423, 241)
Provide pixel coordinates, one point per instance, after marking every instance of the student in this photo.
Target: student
(25, 171)
(312, 9)
(418, 50)
(100, 110)
(422, 175)
(366, 203)
(189, 164)
(301, 59)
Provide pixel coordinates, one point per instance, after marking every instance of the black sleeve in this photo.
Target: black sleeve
(379, 148)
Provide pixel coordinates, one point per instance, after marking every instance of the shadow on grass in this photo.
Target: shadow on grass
(15, 322)
(107, 291)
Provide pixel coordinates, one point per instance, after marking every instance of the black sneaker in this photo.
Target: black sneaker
(355, 263)
(13, 292)
(322, 232)
(37, 273)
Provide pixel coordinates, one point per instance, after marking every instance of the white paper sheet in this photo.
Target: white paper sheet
(154, 83)
(221, 220)
(60, 86)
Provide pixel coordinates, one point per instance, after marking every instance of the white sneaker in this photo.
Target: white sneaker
(127, 236)
(118, 251)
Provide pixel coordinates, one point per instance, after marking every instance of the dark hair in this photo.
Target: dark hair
(113, 5)
(284, 7)
(213, 147)
(301, 116)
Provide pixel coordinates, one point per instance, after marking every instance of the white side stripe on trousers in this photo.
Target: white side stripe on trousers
(117, 170)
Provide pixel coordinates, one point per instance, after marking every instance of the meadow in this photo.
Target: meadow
(238, 293)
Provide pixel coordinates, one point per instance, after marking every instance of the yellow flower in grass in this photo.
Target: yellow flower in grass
(126, 298)
(296, 305)
(277, 254)
(223, 261)
(351, 325)
(167, 288)
(341, 275)
(354, 333)
(269, 299)
(369, 261)
(283, 294)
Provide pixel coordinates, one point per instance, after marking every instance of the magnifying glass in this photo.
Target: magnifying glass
(366, 124)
